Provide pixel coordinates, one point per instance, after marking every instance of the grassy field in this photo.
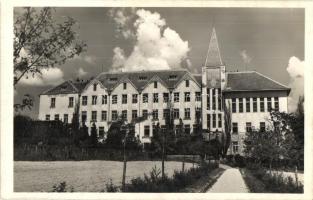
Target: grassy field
(84, 176)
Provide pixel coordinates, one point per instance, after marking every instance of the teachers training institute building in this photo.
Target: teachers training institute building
(248, 95)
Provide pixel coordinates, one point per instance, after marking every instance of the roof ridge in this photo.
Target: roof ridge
(143, 71)
(242, 72)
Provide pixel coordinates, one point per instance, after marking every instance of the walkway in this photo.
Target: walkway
(230, 181)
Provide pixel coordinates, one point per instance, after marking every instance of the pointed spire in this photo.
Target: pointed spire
(213, 57)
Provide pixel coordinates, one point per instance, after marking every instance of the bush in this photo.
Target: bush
(155, 183)
(62, 187)
(110, 187)
(239, 160)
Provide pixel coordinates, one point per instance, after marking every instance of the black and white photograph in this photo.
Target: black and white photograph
(138, 99)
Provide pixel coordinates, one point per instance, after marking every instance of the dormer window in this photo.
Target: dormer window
(142, 78)
(113, 79)
(172, 77)
(95, 87)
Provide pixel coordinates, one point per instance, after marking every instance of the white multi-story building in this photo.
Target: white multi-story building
(249, 96)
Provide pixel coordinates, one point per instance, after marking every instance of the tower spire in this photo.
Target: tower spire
(213, 57)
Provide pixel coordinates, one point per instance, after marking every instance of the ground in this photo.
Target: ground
(231, 181)
(84, 176)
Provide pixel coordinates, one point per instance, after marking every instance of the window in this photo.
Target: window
(235, 147)
(95, 87)
(134, 114)
(155, 114)
(187, 113)
(166, 113)
(114, 99)
(103, 115)
(84, 116)
(124, 98)
(71, 102)
(142, 78)
(101, 131)
(262, 126)
(176, 96)
(94, 100)
(146, 131)
(262, 105)
(155, 97)
(240, 105)
(187, 128)
(219, 120)
(187, 83)
(145, 98)
(214, 121)
(135, 98)
(84, 100)
(94, 116)
(219, 99)
(114, 115)
(198, 96)
(145, 114)
(248, 127)
(276, 103)
(172, 77)
(176, 113)
(208, 121)
(187, 96)
(52, 103)
(47, 117)
(269, 104)
(247, 104)
(124, 86)
(124, 114)
(155, 84)
(208, 99)
(65, 118)
(214, 100)
(165, 97)
(233, 105)
(255, 105)
(104, 99)
(235, 128)
(56, 117)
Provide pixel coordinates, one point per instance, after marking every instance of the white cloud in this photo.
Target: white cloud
(245, 57)
(86, 58)
(156, 46)
(296, 72)
(51, 76)
(81, 72)
(123, 18)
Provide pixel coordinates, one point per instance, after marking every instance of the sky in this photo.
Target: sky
(267, 40)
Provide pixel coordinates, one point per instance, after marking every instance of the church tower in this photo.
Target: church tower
(213, 83)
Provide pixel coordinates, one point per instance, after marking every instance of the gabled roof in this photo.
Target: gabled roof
(213, 57)
(251, 81)
(67, 87)
(141, 78)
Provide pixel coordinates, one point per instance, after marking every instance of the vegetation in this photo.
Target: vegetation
(62, 187)
(41, 43)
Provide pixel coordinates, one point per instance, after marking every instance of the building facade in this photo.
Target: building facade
(248, 96)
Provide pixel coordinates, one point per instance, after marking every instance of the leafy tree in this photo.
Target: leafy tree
(228, 122)
(93, 135)
(40, 42)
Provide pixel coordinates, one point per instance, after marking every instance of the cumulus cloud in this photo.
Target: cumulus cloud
(86, 58)
(81, 72)
(51, 76)
(295, 70)
(245, 57)
(123, 19)
(156, 46)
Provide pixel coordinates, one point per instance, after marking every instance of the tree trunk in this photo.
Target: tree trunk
(163, 155)
(183, 167)
(124, 164)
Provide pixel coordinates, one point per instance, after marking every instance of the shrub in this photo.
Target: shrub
(110, 187)
(62, 187)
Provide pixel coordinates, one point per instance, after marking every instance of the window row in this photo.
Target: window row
(70, 102)
(179, 129)
(249, 127)
(214, 99)
(254, 105)
(214, 121)
(145, 98)
(57, 118)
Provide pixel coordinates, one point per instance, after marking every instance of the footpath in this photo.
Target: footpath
(230, 181)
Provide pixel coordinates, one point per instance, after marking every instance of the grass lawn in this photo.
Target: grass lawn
(83, 176)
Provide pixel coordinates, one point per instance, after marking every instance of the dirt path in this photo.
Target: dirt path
(231, 181)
